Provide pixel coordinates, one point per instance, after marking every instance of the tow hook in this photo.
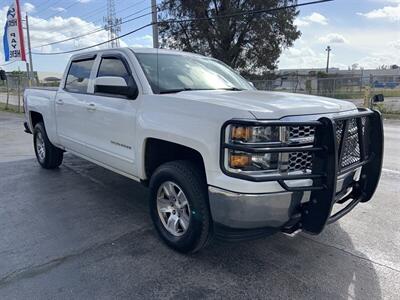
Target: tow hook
(293, 226)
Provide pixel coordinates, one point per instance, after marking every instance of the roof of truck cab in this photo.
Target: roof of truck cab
(162, 51)
(135, 50)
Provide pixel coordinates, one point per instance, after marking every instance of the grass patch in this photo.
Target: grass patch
(11, 108)
(391, 116)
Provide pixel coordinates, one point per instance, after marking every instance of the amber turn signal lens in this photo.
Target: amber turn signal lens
(241, 133)
(238, 161)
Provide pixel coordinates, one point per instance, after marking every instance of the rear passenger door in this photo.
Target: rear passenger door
(111, 121)
(70, 104)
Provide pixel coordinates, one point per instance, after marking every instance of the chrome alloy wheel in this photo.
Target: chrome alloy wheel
(173, 208)
(40, 147)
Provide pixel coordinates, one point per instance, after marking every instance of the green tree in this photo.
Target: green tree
(251, 43)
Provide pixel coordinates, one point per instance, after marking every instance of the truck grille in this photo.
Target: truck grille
(302, 161)
(350, 147)
(301, 132)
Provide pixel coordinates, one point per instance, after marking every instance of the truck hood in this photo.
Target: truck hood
(269, 105)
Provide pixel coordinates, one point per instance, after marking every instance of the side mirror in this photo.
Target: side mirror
(378, 98)
(3, 75)
(115, 86)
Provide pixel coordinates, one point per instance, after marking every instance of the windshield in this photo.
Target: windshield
(178, 73)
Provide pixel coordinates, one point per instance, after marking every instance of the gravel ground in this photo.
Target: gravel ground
(82, 232)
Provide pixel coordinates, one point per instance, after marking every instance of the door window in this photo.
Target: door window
(78, 76)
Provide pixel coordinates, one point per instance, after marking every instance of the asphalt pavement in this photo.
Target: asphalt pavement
(83, 232)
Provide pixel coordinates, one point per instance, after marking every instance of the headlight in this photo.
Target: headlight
(253, 162)
(268, 150)
(256, 136)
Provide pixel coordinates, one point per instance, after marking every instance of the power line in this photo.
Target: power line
(94, 31)
(58, 12)
(243, 13)
(123, 9)
(99, 44)
(190, 20)
(41, 4)
(97, 11)
(112, 24)
(90, 14)
(65, 9)
(101, 29)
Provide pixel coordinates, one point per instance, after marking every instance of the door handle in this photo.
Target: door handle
(60, 101)
(91, 106)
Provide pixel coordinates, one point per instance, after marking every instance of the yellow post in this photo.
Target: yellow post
(367, 96)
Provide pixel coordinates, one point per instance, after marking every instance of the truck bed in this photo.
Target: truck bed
(41, 100)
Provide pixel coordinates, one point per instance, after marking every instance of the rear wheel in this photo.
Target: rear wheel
(179, 206)
(48, 155)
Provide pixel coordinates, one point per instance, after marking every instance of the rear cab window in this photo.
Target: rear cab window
(78, 76)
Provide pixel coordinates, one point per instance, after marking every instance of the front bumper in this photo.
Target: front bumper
(269, 210)
(309, 206)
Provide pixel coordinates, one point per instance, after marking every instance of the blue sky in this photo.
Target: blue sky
(363, 33)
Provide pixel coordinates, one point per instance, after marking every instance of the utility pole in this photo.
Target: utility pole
(155, 23)
(28, 36)
(328, 49)
(112, 24)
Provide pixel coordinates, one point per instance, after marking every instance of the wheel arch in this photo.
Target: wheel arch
(158, 151)
(35, 117)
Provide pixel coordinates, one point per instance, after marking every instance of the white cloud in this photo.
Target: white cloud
(146, 37)
(333, 38)
(58, 9)
(84, 1)
(28, 7)
(58, 28)
(144, 41)
(395, 44)
(301, 57)
(300, 22)
(376, 60)
(315, 17)
(391, 13)
(386, 56)
(140, 46)
(369, 47)
(386, 1)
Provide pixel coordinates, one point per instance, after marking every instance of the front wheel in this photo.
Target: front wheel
(48, 155)
(179, 206)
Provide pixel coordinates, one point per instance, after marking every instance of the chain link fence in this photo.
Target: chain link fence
(334, 87)
(12, 90)
(357, 89)
(354, 88)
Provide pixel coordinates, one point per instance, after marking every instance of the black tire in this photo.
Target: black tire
(53, 156)
(192, 181)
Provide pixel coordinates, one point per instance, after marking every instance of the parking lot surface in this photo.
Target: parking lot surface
(82, 232)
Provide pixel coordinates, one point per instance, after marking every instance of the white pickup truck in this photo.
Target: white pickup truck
(221, 158)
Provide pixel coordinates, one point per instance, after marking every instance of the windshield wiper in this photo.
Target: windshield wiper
(231, 88)
(172, 91)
